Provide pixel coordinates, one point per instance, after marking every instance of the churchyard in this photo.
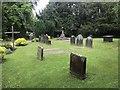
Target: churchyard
(23, 69)
(63, 45)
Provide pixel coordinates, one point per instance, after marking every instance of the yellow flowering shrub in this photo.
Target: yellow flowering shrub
(2, 51)
(49, 37)
(21, 41)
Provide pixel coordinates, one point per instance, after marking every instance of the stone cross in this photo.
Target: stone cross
(12, 35)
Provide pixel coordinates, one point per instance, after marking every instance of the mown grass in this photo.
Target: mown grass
(22, 69)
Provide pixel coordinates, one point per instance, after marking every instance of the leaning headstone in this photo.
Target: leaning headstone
(79, 39)
(40, 53)
(72, 39)
(78, 66)
(89, 42)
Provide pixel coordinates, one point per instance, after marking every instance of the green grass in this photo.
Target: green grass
(22, 69)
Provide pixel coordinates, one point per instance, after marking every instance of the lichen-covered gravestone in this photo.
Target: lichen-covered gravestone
(78, 66)
(89, 41)
(40, 53)
(72, 39)
(80, 40)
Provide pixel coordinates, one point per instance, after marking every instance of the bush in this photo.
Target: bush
(8, 46)
(2, 52)
(21, 42)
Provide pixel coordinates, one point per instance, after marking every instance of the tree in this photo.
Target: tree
(18, 14)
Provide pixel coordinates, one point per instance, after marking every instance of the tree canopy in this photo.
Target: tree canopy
(85, 18)
(98, 18)
(18, 14)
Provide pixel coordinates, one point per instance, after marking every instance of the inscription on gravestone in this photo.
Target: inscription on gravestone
(78, 66)
(89, 41)
(72, 39)
(40, 53)
(79, 39)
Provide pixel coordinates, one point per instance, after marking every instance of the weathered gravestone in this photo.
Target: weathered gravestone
(40, 53)
(79, 39)
(108, 38)
(78, 66)
(72, 39)
(89, 41)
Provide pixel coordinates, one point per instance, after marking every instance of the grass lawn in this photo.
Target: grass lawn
(22, 69)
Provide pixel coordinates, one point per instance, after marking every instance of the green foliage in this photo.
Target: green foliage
(84, 18)
(18, 14)
(7, 46)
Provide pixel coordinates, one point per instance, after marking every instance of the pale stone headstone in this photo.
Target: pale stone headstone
(79, 39)
(89, 42)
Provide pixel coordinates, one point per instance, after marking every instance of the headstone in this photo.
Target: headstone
(49, 42)
(78, 66)
(42, 38)
(72, 39)
(40, 53)
(89, 42)
(79, 39)
(39, 38)
(108, 38)
(46, 38)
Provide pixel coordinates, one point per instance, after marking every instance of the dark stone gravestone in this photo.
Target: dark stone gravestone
(72, 39)
(46, 38)
(108, 38)
(49, 42)
(79, 39)
(78, 66)
(40, 53)
(89, 42)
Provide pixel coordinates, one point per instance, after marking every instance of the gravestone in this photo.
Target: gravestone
(42, 37)
(72, 39)
(39, 38)
(78, 66)
(40, 53)
(108, 38)
(79, 39)
(89, 41)
(48, 42)
(46, 38)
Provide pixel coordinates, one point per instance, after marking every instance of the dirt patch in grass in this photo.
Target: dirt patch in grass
(50, 49)
(58, 52)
